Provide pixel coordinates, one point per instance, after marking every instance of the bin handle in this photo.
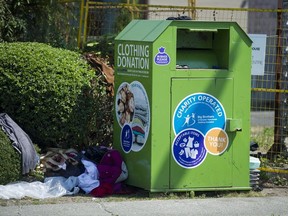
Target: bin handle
(234, 125)
(203, 30)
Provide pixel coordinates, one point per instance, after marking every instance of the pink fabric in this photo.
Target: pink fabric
(104, 189)
(109, 167)
(109, 170)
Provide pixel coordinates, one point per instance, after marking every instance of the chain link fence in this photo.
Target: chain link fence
(269, 94)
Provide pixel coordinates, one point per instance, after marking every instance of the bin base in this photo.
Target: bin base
(200, 189)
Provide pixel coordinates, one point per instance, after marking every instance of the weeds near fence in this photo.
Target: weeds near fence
(273, 178)
(264, 136)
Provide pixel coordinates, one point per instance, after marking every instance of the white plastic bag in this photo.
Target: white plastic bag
(51, 188)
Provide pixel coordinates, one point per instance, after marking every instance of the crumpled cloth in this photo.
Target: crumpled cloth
(52, 187)
(90, 178)
(104, 189)
(21, 142)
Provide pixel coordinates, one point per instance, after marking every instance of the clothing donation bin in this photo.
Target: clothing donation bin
(182, 105)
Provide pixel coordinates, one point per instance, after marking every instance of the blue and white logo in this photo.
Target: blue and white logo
(126, 138)
(161, 57)
(188, 148)
(199, 111)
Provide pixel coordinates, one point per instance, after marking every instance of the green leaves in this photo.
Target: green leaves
(42, 88)
(39, 20)
(10, 169)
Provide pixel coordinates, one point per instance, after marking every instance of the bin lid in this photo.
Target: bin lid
(150, 30)
(143, 30)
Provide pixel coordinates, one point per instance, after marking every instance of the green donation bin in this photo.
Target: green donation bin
(182, 105)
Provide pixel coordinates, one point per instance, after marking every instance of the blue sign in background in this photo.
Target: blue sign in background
(201, 111)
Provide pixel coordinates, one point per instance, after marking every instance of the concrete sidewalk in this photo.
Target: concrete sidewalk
(244, 206)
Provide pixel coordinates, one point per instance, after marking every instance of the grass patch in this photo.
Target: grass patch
(264, 136)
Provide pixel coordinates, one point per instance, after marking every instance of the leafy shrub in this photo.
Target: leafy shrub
(10, 159)
(51, 93)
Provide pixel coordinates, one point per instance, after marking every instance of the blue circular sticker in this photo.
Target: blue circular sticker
(188, 148)
(201, 111)
(126, 138)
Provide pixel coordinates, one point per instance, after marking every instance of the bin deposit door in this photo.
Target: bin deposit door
(201, 156)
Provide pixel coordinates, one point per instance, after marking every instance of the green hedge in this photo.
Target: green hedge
(51, 93)
(10, 161)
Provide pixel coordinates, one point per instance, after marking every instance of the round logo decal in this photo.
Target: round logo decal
(126, 138)
(162, 58)
(201, 111)
(188, 148)
(216, 141)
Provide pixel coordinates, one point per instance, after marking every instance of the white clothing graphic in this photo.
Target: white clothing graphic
(190, 142)
(190, 148)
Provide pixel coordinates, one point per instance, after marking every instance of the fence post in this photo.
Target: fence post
(278, 145)
(79, 41)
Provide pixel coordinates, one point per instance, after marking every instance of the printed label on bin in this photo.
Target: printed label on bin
(216, 141)
(133, 110)
(199, 123)
(162, 58)
(201, 111)
(188, 148)
(126, 138)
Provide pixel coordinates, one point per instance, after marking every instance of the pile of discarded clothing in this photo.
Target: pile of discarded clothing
(100, 171)
(97, 171)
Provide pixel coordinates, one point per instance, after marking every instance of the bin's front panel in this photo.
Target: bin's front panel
(132, 109)
(201, 155)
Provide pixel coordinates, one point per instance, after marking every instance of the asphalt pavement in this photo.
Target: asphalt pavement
(244, 206)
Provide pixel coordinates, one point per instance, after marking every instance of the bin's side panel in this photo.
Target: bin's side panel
(132, 119)
(163, 62)
(240, 62)
(201, 106)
